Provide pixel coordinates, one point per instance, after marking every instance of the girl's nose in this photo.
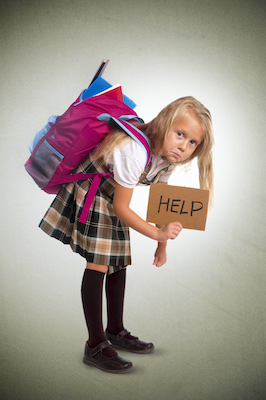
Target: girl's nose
(182, 145)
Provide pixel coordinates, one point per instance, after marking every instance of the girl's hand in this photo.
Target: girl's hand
(169, 231)
(160, 256)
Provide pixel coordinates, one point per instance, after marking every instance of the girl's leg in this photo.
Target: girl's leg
(115, 291)
(91, 293)
(98, 351)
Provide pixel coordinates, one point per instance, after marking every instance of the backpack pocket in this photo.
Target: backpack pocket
(44, 164)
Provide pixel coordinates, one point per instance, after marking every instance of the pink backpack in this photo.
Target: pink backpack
(66, 140)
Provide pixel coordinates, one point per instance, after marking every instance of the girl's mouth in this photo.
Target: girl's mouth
(176, 155)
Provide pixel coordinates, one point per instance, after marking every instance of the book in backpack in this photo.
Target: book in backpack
(66, 140)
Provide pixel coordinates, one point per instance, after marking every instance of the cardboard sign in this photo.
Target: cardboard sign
(175, 203)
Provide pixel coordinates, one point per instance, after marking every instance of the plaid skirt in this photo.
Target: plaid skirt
(103, 239)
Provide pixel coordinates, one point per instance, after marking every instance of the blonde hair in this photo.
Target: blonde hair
(158, 129)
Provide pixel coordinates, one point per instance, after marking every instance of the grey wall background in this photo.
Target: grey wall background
(204, 310)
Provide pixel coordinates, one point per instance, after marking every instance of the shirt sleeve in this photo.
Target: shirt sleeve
(128, 162)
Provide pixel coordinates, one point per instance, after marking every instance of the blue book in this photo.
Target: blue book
(98, 86)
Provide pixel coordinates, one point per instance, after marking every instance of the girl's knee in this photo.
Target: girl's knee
(97, 267)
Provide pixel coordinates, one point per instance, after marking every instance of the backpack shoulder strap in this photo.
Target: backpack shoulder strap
(131, 130)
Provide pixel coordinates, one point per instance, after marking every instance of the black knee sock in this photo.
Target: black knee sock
(91, 293)
(115, 290)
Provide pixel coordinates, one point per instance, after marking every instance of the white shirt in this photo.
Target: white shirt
(128, 163)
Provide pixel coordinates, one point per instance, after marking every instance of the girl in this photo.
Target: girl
(180, 132)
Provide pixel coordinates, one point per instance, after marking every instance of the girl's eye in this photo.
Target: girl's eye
(193, 142)
(179, 134)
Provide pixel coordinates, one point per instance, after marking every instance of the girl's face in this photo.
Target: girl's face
(184, 136)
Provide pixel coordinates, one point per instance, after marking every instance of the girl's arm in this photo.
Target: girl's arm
(121, 202)
(160, 256)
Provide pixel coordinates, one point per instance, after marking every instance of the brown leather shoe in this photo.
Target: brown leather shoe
(115, 364)
(134, 345)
